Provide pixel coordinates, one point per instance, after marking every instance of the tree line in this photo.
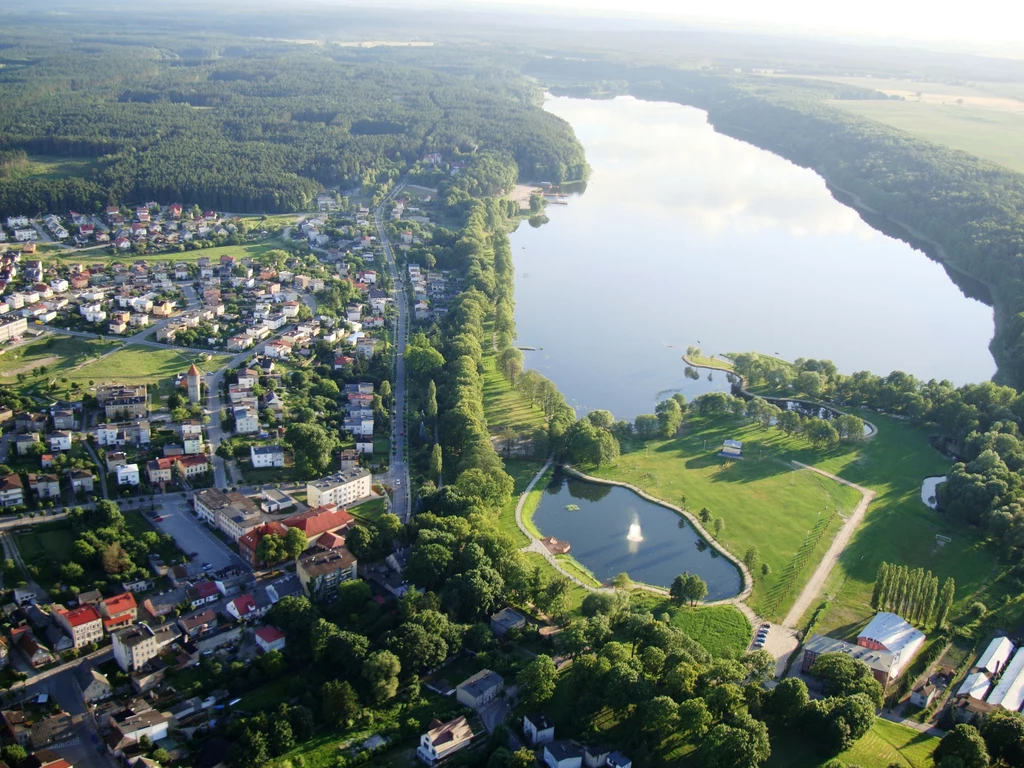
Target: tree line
(913, 594)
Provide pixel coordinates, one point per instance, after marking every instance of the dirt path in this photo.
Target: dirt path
(814, 585)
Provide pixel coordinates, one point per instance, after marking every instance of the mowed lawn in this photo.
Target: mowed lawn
(57, 353)
(762, 499)
(899, 527)
(146, 365)
(886, 744)
(522, 471)
(505, 406)
(252, 250)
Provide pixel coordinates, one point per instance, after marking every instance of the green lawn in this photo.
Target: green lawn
(503, 405)
(522, 471)
(898, 527)
(721, 629)
(253, 250)
(369, 511)
(990, 134)
(762, 499)
(576, 594)
(146, 365)
(533, 501)
(885, 744)
(58, 354)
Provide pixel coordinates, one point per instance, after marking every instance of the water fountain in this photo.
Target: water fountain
(634, 533)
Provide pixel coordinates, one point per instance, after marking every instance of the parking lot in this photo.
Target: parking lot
(192, 535)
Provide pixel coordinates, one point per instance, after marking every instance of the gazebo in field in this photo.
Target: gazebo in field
(731, 449)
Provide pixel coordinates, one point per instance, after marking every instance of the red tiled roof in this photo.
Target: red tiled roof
(120, 603)
(251, 540)
(269, 634)
(330, 540)
(244, 604)
(79, 616)
(193, 460)
(320, 520)
(205, 588)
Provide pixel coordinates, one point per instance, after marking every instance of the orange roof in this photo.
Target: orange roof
(193, 460)
(251, 540)
(330, 540)
(320, 520)
(79, 616)
(193, 371)
(120, 603)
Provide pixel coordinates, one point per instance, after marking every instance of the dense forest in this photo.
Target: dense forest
(259, 130)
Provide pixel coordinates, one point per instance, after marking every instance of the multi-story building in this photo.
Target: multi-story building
(266, 456)
(12, 492)
(190, 466)
(136, 645)
(119, 611)
(12, 327)
(83, 624)
(119, 399)
(247, 421)
(160, 470)
(249, 543)
(341, 488)
(319, 520)
(321, 571)
(128, 474)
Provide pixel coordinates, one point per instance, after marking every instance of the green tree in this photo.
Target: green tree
(945, 602)
(718, 526)
(381, 672)
(431, 406)
(281, 737)
(845, 676)
(423, 362)
(1004, 737)
(787, 701)
(744, 745)
(294, 543)
(312, 446)
(13, 754)
(659, 717)
(435, 467)
(694, 718)
(962, 743)
(752, 558)
(537, 681)
(340, 703)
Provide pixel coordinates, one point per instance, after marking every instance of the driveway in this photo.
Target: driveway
(191, 534)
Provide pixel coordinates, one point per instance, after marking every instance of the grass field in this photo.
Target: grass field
(253, 250)
(503, 405)
(721, 629)
(533, 501)
(48, 167)
(885, 744)
(146, 365)
(369, 511)
(994, 135)
(522, 472)
(763, 501)
(57, 353)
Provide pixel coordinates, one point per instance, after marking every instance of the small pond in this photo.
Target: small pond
(600, 523)
(928, 488)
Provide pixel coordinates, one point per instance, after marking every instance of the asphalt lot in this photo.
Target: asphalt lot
(192, 535)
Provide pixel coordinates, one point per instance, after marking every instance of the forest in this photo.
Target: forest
(261, 130)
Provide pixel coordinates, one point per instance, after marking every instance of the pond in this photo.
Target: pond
(685, 236)
(612, 530)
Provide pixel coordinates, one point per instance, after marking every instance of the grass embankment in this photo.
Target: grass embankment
(763, 500)
(533, 501)
(522, 471)
(710, 361)
(146, 365)
(721, 629)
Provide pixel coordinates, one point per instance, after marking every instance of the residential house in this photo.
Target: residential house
(270, 639)
(60, 441)
(198, 623)
(266, 456)
(321, 571)
(538, 729)
(82, 480)
(25, 444)
(160, 470)
(563, 754)
(201, 593)
(340, 489)
(115, 459)
(45, 486)
(84, 624)
(190, 466)
(136, 645)
(131, 726)
(93, 685)
(480, 689)
(247, 421)
(506, 620)
(29, 422)
(119, 611)
(444, 739)
(12, 492)
(63, 419)
(55, 729)
(37, 655)
(128, 474)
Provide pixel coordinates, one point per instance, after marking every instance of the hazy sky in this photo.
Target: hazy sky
(978, 21)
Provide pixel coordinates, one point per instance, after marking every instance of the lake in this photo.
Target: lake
(598, 530)
(685, 236)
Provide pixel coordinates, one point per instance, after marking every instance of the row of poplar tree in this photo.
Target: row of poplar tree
(913, 594)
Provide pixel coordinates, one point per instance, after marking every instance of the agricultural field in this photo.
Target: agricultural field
(790, 515)
(994, 135)
(145, 365)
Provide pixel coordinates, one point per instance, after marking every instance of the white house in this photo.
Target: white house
(266, 456)
(444, 740)
(247, 421)
(60, 441)
(563, 754)
(128, 474)
(270, 639)
(538, 729)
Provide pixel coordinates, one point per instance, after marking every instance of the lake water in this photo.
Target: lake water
(597, 533)
(685, 236)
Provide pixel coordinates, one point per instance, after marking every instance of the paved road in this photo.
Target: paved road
(101, 468)
(399, 468)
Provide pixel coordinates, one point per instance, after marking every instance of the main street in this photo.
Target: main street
(399, 471)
